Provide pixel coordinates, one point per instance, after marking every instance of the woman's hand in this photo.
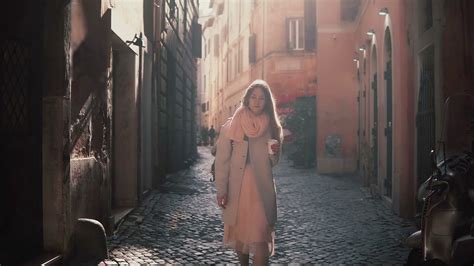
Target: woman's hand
(222, 201)
(275, 148)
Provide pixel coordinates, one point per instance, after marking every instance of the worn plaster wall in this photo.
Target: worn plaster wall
(402, 125)
(337, 94)
(290, 74)
(56, 136)
(90, 115)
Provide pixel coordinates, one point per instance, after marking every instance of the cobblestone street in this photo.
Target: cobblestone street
(321, 219)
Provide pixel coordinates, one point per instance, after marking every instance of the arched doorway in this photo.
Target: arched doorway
(388, 126)
(374, 129)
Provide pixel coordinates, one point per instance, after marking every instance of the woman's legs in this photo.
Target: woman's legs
(261, 255)
(260, 260)
(243, 259)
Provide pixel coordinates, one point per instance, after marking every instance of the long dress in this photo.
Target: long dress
(251, 231)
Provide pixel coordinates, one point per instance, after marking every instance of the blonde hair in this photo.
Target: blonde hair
(269, 108)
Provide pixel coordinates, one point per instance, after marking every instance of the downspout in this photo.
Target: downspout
(139, 95)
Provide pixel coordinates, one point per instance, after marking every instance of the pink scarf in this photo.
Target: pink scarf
(244, 122)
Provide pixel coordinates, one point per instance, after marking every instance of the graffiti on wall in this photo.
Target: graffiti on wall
(333, 145)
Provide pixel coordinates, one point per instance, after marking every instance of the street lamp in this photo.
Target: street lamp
(383, 11)
(356, 60)
(362, 48)
(371, 32)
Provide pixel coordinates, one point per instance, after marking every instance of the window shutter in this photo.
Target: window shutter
(196, 39)
(148, 18)
(252, 49)
(310, 25)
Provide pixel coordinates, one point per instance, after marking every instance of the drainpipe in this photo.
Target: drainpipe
(139, 96)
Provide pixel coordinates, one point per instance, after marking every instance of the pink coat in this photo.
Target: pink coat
(231, 158)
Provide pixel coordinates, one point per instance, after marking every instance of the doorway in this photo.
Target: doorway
(388, 126)
(124, 185)
(21, 195)
(374, 130)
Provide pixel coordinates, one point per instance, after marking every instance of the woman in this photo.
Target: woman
(244, 179)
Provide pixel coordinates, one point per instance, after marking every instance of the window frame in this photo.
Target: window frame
(299, 21)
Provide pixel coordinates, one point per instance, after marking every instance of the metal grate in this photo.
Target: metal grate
(14, 81)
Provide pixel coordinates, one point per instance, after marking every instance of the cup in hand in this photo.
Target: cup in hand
(271, 142)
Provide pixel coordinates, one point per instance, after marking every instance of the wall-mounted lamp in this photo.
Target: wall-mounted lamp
(137, 41)
(362, 48)
(356, 60)
(371, 32)
(383, 11)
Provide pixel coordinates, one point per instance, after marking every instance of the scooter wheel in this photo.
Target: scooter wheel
(415, 257)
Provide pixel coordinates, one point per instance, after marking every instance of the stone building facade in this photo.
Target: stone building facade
(380, 71)
(248, 40)
(400, 60)
(94, 114)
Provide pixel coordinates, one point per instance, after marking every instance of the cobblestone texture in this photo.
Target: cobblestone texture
(321, 220)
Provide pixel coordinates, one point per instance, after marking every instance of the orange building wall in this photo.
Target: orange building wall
(403, 99)
(337, 94)
(289, 74)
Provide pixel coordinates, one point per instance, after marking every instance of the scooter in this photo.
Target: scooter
(446, 235)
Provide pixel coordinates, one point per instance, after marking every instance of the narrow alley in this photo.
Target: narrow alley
(321, 219)
(108, 110)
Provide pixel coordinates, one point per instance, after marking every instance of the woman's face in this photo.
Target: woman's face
(257, 101)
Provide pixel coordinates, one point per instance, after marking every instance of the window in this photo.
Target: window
(216, 45)
(224, 32)
(204, 85)
(208, 46)
(229, 69)
(295, 34)
(425, 17)
(252, 49)
(220, 9)
(203, 107)
(236, 61)
(241, 54)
